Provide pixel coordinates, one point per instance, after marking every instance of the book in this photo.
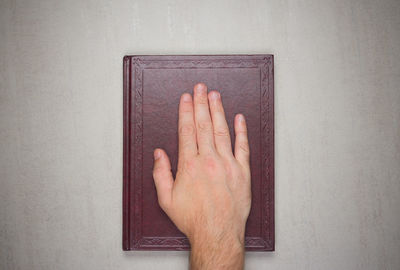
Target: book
(152, 86)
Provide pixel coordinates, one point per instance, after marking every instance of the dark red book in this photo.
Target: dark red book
(153, 85)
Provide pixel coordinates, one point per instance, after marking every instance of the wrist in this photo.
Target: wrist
(217, 251)
(226, 236)
(229, 240)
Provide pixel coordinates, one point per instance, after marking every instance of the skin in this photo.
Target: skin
(210, 198)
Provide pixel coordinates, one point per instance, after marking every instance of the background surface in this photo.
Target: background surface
(337, 96)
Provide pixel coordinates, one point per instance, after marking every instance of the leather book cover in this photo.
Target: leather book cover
(153, 85)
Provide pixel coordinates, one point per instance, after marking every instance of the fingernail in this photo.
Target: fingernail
(186, 97)
(215, 95)
(157, 154)
(241, 118)
(200, 88)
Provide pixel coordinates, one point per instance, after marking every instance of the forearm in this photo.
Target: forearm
(225, 252)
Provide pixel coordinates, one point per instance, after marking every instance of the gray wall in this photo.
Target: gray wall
(337, 68)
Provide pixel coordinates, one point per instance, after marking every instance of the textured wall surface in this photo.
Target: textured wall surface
(337, 83)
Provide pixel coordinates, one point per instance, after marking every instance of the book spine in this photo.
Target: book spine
(126, 152)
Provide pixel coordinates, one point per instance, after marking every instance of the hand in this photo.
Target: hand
(210, 199)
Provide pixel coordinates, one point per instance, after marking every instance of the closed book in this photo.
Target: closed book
(152, 86)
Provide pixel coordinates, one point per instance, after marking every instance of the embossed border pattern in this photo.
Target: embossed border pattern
(133, 67)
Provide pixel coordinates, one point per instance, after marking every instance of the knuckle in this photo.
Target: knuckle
(243, 146)
(202, 100)
(241, 132)
(185, 108)
(211, 163)
(189, 165)
(221, 133)
(186, 130)
(217, 107)
(204, 126)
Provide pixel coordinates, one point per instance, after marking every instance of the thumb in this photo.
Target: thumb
(163, 178)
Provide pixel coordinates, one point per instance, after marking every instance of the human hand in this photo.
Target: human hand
(210, 199)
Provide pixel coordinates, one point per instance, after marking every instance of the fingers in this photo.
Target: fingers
(186, 128)
(163, 178)
(242, 150)
(221, 131)
(204, 128)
